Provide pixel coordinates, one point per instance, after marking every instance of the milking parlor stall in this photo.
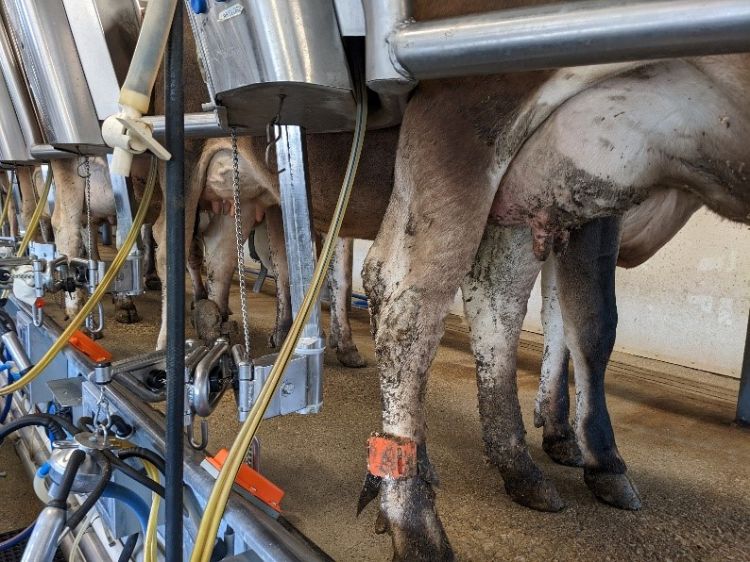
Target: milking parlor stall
(256, 255)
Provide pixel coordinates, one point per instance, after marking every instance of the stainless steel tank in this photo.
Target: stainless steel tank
(65, 47)
(19, 129)
(256, 53)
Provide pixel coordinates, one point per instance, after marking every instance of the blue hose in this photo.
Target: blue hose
(9, 398)
(131, 499)
(18, 539)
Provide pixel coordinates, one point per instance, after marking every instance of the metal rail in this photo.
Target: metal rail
(568, 34)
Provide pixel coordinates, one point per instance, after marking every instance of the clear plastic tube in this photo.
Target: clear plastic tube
(144, 66)
(217, 501)
(109, 276)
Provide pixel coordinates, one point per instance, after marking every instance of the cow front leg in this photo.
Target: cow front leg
(586, 278)
(340, 284)
(496, 293)
(552, 408)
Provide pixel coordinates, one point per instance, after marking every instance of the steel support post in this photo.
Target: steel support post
(291, 159)
(743, 399)
(175, 288)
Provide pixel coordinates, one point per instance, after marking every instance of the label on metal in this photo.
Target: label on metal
(231, 12)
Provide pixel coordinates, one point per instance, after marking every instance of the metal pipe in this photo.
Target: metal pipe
(743, 398)
(570, 34)
(262, 534)
(175, 287)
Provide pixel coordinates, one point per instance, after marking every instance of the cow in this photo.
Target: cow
(590, 143)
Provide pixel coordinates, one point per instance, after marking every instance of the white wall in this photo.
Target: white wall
(688, 305)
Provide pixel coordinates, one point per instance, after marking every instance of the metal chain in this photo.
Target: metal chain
(87, 187)
(240, 242)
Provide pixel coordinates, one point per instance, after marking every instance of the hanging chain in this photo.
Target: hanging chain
(240, 241)
(87, 189)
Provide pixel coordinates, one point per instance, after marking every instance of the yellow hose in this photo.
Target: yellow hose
(150, 547)
(217, 501)
(109, 276)
(6, 206)
(34, 222)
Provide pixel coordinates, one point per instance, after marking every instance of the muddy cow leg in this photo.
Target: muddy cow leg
(496, 293)
(151, 278)
(424, 248)
(552, 408)
(340, 283)
(586, 278)
(66, 218)
(277, 249)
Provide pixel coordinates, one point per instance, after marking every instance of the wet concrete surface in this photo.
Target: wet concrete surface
(691, 465)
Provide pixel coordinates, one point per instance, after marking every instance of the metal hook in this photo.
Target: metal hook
(272, 137)
(203, 443)
(37, 315)
(90, 326)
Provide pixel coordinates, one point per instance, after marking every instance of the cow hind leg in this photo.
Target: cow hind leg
(496, 293)
(221, 263)
(552, 408)
(151, 278)
(586, 278)
(340, 283)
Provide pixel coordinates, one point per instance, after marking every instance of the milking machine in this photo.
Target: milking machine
(77, 82)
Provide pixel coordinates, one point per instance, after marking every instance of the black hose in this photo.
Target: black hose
(49, 422)
(60, 499)
(75, 518)
(65, 423)
(128, 548)
(145, 454)
(85, 424)
(128, 470)
(175, 285)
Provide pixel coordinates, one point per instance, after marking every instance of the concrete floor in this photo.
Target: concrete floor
(673, 428)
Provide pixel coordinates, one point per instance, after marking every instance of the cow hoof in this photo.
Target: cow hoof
(153, 283)
(207, 320)
(416, 531)
(563, 449)
(350, 358)
(536, 493)
(127, 315)
(617, 490)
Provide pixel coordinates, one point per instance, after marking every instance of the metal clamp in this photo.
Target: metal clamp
(210, 367)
